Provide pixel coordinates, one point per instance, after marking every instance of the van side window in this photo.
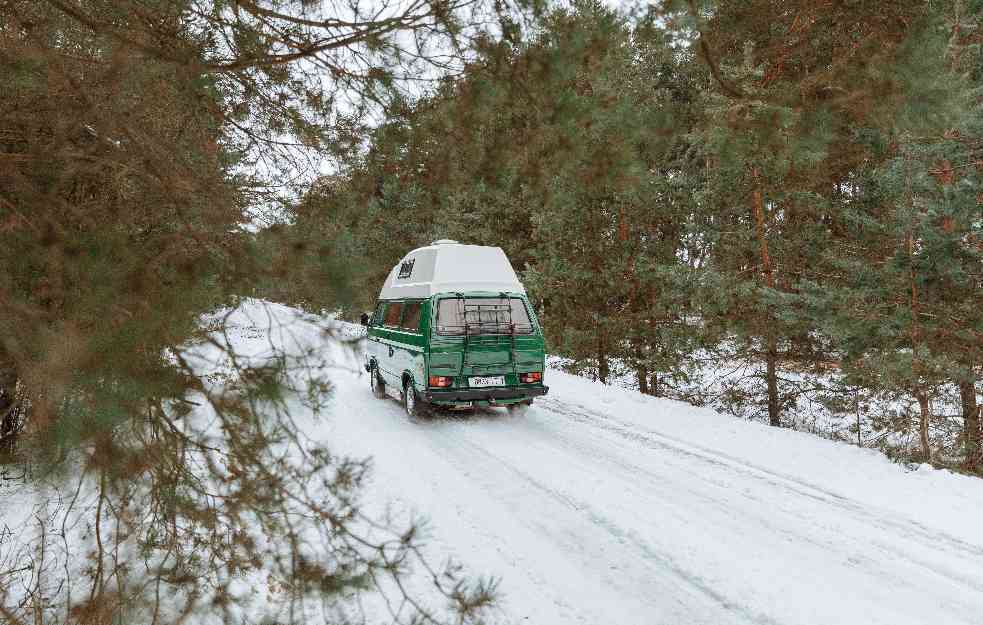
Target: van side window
(393, 312)
(411, 316)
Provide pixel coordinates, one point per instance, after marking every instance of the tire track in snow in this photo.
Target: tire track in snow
(852, 547)
(908, 528)
(464, 455)
(598, 420)
(500, 456)
(659, 561)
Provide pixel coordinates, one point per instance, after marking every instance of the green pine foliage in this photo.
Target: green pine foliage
(724, 186)
(751, 204)
(140, 144)
(905, 304)
(553, 150)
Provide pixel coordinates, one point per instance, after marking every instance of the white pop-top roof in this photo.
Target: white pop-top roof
(449, 267)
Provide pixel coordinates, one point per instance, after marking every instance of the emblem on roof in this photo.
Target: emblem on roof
(406, 269)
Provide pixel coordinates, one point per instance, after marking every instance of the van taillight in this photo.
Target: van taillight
(531, 377)
(440, 380)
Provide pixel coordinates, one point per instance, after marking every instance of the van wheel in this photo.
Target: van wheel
(411, 403)
(378, 386)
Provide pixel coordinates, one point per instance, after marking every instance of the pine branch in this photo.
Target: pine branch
(728, 88)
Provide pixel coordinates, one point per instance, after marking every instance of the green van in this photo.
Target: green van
(453, 327)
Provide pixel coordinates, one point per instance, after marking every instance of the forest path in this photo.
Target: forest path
(591, 513)
(601, 506)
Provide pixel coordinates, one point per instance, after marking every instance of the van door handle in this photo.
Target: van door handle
(391, 352)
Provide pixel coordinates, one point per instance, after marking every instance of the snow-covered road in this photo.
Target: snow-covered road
(603, 506)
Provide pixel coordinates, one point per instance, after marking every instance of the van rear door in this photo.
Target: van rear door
(484, 336)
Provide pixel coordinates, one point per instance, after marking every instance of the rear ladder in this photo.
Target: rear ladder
(478, 319)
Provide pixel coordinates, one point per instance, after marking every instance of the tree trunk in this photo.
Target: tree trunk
(656, 385)
(641, 371)
(856, 409)
(602, 361)
(8, 405)
(771, 377)
(771, 356)
(920, 395)
(971, 425)
(926, 446)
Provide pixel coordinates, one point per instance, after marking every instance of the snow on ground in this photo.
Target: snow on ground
(601, 505)
(812, 401)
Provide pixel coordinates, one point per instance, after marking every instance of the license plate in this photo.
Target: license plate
(494, 380)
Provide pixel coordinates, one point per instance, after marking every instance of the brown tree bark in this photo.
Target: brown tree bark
(920, 394)
(603, 369)
(771, 353)
(8, 403)
(642, 375)
(656, 386)
(771, 378)
(926, 414)
(972, 435)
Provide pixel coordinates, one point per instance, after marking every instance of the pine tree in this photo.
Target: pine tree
(712, 197)
(552, 150)
(136, 141)
(906, 302)
(788, 85)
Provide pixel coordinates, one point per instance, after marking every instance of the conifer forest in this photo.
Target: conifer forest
(751, 232)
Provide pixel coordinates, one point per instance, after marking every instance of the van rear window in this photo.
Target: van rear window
(482, 315)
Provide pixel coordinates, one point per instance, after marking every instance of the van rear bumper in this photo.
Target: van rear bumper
(484, 394)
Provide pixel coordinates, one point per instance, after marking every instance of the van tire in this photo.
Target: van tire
(378, 386)
(411, 402)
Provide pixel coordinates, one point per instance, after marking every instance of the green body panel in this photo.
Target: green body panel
(400, 353)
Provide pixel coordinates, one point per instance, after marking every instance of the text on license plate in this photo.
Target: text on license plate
(495, 380)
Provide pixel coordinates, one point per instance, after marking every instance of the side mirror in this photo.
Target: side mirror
(366, 320)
